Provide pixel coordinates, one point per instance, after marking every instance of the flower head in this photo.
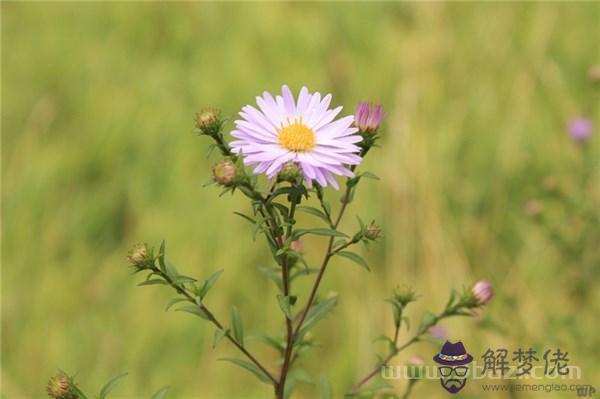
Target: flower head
(368, 117)
(302, 131)
(483, 292)
(580, 129)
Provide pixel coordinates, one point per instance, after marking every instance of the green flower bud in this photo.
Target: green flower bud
(208, 121)
(290, 172)
(373, 231)
(225, 172)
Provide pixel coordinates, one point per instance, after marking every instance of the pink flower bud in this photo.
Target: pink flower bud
(225, 172)
(483, 292)
(368, 117)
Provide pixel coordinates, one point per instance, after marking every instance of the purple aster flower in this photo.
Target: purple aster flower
(368, 117)
(303, 132)
(580, 129)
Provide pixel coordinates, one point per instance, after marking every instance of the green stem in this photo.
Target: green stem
(183, 291)
(279, 393)
(397, 350)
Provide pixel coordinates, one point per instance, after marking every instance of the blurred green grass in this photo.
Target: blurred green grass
(98, 153)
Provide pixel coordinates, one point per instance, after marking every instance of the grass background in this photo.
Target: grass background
(98, 153)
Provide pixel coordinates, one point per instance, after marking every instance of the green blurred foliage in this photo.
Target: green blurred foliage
(98, 153)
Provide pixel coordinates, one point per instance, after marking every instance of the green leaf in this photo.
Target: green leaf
(326, 391)
(195, 310)
(248, 218)
(355, 258)
(286, 303)
(407, 322)
(161, 393)
(181, 279)
(427, 320)
(161, 257)
(236, 322)
(110, 385)
(155, 281)
(219, 335)
(173, 302)
(320, 232)
(274, 343)
(369, 175)
(250, 367)
(316, 313)
(209, 283)
(311, 210)
(453, 294)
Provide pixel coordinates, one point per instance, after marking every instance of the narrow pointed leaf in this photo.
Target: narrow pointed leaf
(161, 393)
(155, 281)
(236, 322)
(219, 335)
(110, 385)
(173, 302)
(250, 367)
(355, 258)
(195, 310)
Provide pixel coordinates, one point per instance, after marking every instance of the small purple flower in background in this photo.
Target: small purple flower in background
(483, 292)
(580, 129)
(438, 332)
(303, 132)
(368, 117)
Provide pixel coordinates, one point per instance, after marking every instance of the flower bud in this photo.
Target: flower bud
(368, 117)
(208, 121)
(534, 208)
(404, 295)
(290, 172)
(373, 231)
(580, 129)
(59, 387)
(138, 254)
(296, 246)
(483, 292)
(593, 73)
(225, 172)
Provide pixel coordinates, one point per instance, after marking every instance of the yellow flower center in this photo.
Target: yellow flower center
(297, 137)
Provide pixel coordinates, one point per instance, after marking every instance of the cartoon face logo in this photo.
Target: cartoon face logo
(453, 360)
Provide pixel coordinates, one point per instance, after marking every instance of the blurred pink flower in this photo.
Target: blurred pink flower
(580, 129)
